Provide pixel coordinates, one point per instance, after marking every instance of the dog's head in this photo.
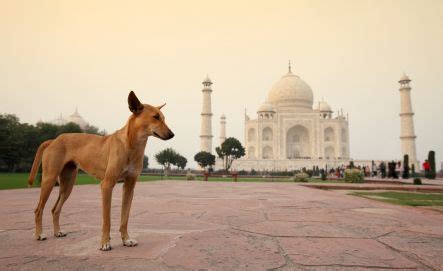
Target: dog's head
(149, 118)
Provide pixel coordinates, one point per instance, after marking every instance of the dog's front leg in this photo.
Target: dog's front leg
(128, 193)
(106, 186)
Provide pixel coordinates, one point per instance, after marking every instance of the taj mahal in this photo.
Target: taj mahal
(290, 131)
(75, 118)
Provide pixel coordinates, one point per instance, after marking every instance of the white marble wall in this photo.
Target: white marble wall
(280, 123)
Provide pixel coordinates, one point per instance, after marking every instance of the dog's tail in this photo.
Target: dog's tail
(37, 161)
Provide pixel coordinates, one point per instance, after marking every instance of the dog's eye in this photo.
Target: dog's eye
(157, 117)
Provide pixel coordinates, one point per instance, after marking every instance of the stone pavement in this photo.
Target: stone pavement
(223, 226)
(438, 181)
(376, 186)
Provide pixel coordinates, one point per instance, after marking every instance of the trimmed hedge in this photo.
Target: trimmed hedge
(353, 175)
(301, 177)
(417, 181)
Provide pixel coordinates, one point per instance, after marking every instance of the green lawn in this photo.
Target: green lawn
(20, 180)
(405, 198)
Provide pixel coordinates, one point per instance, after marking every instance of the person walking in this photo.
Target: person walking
(398, 169)
(391, 170)
(426, 167)
(382, 169)
(374, 169)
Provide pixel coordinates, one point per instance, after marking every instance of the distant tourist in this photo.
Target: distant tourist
(426, 167)
(398, 169)
(383, 170)
(374, 169)
(391, 170)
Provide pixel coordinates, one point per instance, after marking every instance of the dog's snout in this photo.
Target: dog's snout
(170, 135)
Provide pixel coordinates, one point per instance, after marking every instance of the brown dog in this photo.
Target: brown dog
(111, 158)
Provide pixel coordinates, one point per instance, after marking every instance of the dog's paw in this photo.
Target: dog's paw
(130, 243)
(41, 237)
(106, 246)
(60, 234)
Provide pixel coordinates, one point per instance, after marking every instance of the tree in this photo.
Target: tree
(405, 166)
(431, 159)
(90, 129)
(204, 159)
(230, 150)
(19, 141)
(46, 131)
(145, 162)
(30, 145)
(166, 158)
(181, 161)
(69, 127)
(11, 141)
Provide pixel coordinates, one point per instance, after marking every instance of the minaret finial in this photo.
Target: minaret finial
(289, 66)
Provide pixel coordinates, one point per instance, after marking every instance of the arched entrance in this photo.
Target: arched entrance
(267, 153)
(329, 135)
(267, 134)
(251, 153)
(329, 152)
(298, 143)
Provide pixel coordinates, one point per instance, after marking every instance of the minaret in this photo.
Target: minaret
(407, 134)
(222, 129)
(206, 124)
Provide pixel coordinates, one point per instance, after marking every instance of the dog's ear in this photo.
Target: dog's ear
(134, 104)
(161, 106)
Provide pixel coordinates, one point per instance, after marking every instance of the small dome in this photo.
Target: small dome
(76, 118)
(223, 116)
(266, 107)
(404, 77)
(324, 107)
(291, 91)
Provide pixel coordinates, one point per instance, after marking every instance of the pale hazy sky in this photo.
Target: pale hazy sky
(59, 55)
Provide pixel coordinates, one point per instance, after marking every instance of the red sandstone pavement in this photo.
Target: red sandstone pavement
(223, 226)
(376, 186)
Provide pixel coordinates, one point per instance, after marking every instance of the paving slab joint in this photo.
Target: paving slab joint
(408, 255)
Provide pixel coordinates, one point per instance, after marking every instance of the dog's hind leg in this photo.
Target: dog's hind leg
(48, 180)
(67, 180)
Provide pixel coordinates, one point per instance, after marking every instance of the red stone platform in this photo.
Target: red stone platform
(223, 226)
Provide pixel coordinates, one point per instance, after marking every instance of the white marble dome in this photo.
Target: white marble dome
(266, 107)
(324, 107)
(291, 90)
(76, 118)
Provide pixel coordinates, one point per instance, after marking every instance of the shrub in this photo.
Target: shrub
(242, 172)
(190, 176)
(417, 181)
(354, 176)
(431, 159)
(301, 178)
(323, 176)
(309, 172)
